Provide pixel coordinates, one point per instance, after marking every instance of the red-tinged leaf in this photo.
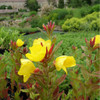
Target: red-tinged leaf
(8, 98)
(5, 92)
(56, 94)
(56, 91)
(60, 80)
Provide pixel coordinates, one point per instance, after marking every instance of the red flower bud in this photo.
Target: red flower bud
(25, 50)
(74, 48)
(76, 72)
(92, 42)
(52, 26)
(11, 42)
(36, 70)
(85, 40)
(50, 51)
(44, 27)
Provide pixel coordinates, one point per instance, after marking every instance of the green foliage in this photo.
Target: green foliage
(32, 5)
(22, 10)
(85, 23)
(2, 18)
(73, 24)
(5, 7)
(95, 25)
(61, 4)
(95, 8)
(27, 30)
(75, 3)
(59, 14)
(32, 13)
(36, 21)
(6, 35)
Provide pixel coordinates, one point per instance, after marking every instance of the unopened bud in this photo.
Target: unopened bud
(36, 70)
(44, 27)
(76, 72)
(74, 48)
(92, 42)
(50, 51)
(25, 50)
(86, 40)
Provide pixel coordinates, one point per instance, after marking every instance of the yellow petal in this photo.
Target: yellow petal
(69, 62)
(38, 41)
(19, 43)
(97, 40)
(37, 53)
(48, 44)
(45, 43)
(59, 62)
(26, 77)
(64, 68)
(26, 69)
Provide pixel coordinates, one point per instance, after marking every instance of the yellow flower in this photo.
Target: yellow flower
(38, 50)
(64, 62)
(97, 40)
(26, 69)
(42, 42)
(19, 43)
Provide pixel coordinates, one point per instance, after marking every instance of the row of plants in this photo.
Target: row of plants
(34, 73)
(59, 16)
(89, 22)
(5, 7)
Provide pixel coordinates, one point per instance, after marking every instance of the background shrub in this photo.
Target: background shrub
(6, 35)
(61, 4)
(95, 25)
(73, 24)
(85, 23)
(32, 5)
(36, 21)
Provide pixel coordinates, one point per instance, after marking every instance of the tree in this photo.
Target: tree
(61, 4)
(32, 5)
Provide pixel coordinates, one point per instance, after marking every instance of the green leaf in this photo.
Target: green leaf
(33, 96)
(25, 90)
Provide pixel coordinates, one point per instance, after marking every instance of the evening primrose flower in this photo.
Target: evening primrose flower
(19, 43)
(97, 40)
(26, 69)
(64, 62)
(38, 50)
(42, 42)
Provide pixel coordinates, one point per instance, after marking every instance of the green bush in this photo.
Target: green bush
(32, 5)
(3, 7)
(95, 25)
(73, 24)
(59, 14)
(95, 8)
(2, 18)
(6, 35)
(61, 4)
(36, 21)
(26, 30)
(32, 13)
(9, 7)
(85, 23)
(22, 10)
